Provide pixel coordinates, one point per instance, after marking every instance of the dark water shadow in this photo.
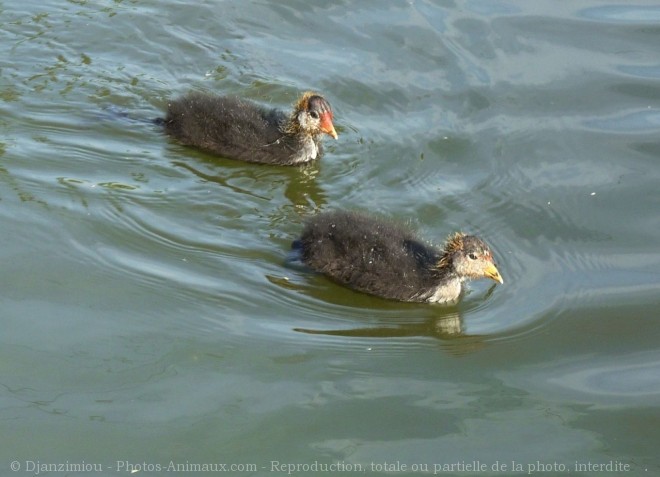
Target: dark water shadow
(300, 182)
(449, 328)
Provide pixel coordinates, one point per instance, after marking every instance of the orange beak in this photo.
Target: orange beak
(327, 126)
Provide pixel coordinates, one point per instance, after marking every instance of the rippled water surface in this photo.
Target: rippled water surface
(148, 314)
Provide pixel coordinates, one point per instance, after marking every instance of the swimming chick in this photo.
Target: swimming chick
(239, 129)
(383, 259)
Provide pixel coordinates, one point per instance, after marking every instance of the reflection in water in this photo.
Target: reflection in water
(301, 187)
(21, 191)
(608, 381)
(304, 190)
(223, 181)
(642, 120)
(448, 327)
(300, 183)
(622, 13)
(444, 323)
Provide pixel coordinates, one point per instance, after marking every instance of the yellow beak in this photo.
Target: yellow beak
(492, 273)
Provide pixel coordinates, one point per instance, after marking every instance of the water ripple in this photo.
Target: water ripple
(636, 14)
(638, 122)
(619, 381)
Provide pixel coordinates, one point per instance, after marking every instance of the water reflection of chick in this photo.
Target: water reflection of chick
(448, 328)
(299, 184)
(238, 129)
(385, 260)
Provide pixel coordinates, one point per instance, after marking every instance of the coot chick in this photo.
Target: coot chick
(383, 259)
(239, 129)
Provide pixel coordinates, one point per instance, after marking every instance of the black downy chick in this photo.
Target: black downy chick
(238, 129)
(383, 259)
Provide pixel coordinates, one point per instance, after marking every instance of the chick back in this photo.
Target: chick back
(229, 127)
(369, 255)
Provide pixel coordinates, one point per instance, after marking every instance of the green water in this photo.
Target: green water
(148, 317)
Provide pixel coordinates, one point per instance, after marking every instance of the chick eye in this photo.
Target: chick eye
(314, 114)
(472, 256)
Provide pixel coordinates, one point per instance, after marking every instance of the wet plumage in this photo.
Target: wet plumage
(239, 129)
(380, 258)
